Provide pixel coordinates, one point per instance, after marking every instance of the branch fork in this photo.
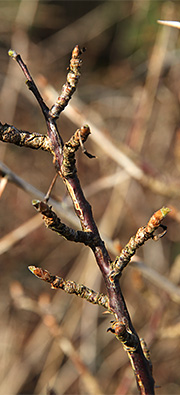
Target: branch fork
(123, 333)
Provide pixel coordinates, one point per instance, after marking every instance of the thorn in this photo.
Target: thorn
(84, 150)
(88, 154)
(160, 235)
(47, 196)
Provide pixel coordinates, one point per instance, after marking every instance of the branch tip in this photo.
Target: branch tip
(165, 211)
(12, 54)
(35, 270)
(40, 273)
(156, 219)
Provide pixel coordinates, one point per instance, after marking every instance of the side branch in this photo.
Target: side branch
(143, 234)
(30, 82)
(70, 86)
(22, 138)
(52, 130)
(79, 137)
(71, 287)
(54, 223)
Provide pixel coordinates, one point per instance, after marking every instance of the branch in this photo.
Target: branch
(68, 165)
(54, 223)
(10, 134)
(67, 91)
(64, 157)
(71, 287)
(143, 234)
(70, 86)
(53, 133)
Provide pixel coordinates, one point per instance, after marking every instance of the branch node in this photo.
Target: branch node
(122, 332)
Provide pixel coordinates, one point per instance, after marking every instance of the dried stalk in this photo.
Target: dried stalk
(64, 160)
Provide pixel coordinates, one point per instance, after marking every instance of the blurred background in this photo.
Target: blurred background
(129, 94)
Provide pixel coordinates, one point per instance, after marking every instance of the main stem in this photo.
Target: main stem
(117, 303)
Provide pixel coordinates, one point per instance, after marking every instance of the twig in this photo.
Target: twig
(71, 287)
(55, 138)
(54, 223)
(47, 196)
(22, 138)
(70, 86)
(84, 150)
(143, 234)
(68, 165)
